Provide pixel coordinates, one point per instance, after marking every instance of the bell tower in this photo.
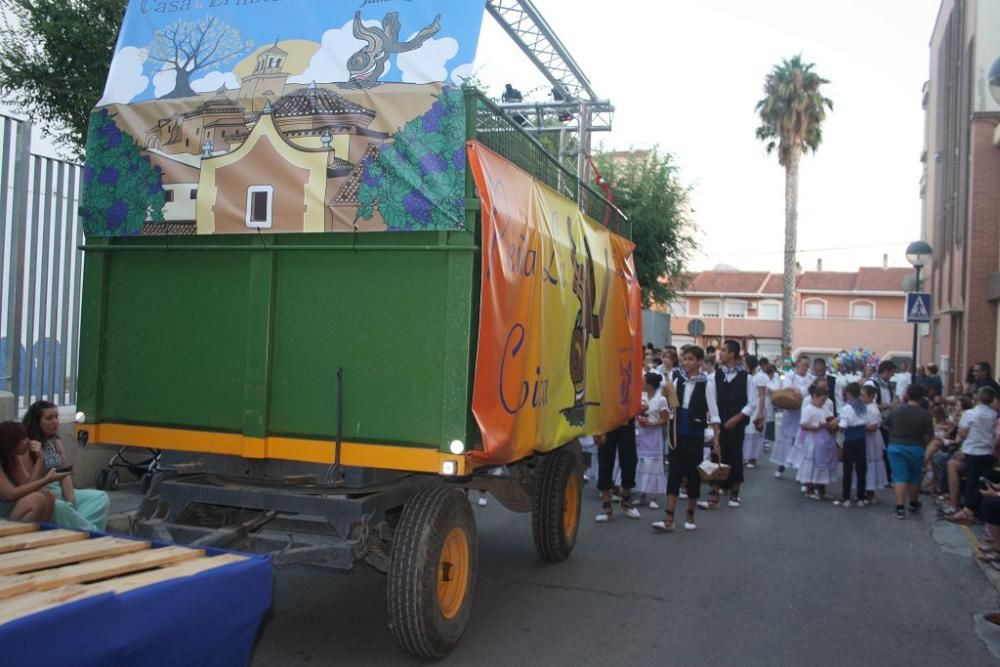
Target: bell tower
(267, 81)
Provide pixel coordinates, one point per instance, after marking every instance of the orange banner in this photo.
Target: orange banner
(560, 339)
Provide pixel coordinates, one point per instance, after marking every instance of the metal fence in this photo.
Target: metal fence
(41, 270)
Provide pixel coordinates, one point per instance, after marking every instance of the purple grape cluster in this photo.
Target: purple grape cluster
(108, 176)
(458, 158)
(431, 121)
(418, 206)
(432, 163)
(116, 214)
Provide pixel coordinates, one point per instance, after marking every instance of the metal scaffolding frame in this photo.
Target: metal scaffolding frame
(571, 88)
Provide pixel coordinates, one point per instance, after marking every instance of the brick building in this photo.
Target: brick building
(833, 311)
(961, 185)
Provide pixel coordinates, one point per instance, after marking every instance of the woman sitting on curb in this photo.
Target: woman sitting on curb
(82, 509)
(21, 499)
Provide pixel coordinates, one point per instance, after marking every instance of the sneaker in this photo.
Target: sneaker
(690, 525)
(662, 527)
(862, 503)
(703, 504)
(653, 505)
(777, 474)
(682, 494)
(948, 510)
(733, 502)
(803, 488)
(632, 513)
(482, 501)
(751, 465)
(899, 513)
(814, 496)
(844, 503)
(605, 514)
(916, 507)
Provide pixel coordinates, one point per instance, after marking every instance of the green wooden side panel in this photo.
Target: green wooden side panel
(382, 317)
(175, 339)
(245, 335)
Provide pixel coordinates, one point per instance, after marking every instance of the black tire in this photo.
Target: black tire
(113, 480)
(416, 615)
(555, 524)
(102, 479)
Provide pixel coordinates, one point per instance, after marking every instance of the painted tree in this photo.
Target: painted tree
(791, 117)
(187, 47)
(121, 189)
(648, 189)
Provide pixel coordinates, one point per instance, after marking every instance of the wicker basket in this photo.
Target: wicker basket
(720, 474)
(787, 399)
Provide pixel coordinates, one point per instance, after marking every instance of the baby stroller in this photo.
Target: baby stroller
(108, 479)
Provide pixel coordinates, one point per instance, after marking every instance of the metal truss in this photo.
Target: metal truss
(529, 30)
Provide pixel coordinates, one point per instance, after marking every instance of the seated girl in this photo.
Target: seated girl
(82, 509)
(20, 498)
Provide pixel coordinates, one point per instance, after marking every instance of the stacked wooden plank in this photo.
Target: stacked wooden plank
(42, 569)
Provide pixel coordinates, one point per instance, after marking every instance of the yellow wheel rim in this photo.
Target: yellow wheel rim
(453, 573)
(571, 501)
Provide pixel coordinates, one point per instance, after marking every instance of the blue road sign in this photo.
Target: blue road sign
(918, 307)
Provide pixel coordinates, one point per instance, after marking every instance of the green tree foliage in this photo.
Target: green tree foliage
(54, 59)
(418, 180)
(791, 112)
(121, 190)
(646, 186)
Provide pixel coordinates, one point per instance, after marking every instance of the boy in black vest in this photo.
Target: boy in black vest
(737, 402)
(696, 412)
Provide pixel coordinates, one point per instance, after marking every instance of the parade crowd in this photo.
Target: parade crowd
(842, 434)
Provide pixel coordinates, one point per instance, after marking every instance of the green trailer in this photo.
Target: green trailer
(312, 394)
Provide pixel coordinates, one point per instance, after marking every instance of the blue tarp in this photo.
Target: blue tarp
(206, 619)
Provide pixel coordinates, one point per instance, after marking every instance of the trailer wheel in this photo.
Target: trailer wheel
(432, 574)
(555, 519)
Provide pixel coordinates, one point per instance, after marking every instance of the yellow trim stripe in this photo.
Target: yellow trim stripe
(355, 454)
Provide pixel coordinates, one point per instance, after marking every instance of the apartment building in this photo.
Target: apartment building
(960, 187)
(833, 311)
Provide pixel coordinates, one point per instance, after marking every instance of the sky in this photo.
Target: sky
(685, 76)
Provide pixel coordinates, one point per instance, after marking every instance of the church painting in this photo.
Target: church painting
(350, 120)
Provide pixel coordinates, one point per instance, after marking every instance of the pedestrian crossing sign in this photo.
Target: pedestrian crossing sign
(918, 307)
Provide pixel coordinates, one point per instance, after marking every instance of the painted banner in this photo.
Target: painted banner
(249, 116)
(560, 329)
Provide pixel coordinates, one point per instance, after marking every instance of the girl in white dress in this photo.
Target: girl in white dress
(819, 450)
(753, 438)
(650, 478)
(784, 454)
(877, 477)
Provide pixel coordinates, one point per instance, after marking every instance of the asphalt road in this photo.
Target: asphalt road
(781, 581)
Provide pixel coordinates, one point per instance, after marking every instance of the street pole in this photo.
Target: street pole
(916, 326)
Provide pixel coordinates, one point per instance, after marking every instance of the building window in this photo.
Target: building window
(769, 310)
(736, 309)
(814, 309)
(862, 310)
(709, 309)
(260, 204)
(194, 193)
(168, 196)
(678, 308)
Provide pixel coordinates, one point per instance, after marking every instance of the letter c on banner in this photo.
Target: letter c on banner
(516, 334)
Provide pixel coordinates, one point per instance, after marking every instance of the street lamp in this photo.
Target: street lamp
(917, 254)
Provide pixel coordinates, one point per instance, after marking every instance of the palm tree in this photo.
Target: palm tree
(791, 116)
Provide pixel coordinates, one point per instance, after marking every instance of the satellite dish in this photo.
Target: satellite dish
(696, 327)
